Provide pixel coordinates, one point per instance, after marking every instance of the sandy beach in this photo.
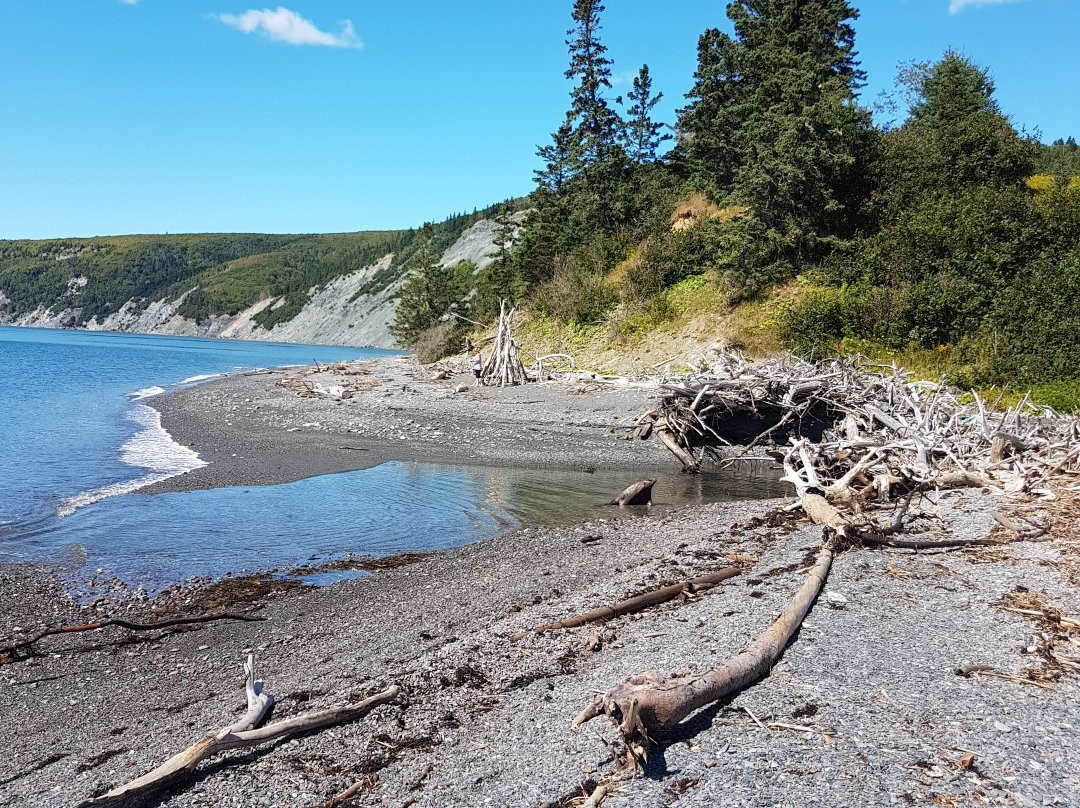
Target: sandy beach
(864, 708)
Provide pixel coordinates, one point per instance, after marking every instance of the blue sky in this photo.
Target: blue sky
(151, 116)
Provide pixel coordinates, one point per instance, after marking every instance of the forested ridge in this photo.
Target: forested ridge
(943, 236)
(218, 274)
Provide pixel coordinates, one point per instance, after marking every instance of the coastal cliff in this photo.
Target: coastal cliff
(337, 289)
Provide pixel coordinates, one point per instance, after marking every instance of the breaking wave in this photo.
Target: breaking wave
(151, 448)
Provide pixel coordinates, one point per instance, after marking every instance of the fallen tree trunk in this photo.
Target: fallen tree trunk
(640, 493)
(649, 703)
(128, 624)
(636, 603)
(669, 440)
(241, 734)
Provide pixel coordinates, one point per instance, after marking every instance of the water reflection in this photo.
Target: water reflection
(395, 507)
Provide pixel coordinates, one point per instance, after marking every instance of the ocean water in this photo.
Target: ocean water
(77, 442)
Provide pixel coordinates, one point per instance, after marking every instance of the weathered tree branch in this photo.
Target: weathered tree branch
(128, 624)
(649, 703)
(240, 734)
(637, 603)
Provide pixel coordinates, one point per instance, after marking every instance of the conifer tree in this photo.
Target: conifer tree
(642, 135)
(559, 161)
(499, 280)
(430, 292)
(773, 122)
(595, 124)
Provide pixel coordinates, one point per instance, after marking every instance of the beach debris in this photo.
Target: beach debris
(25, 646)
(503, 366)
(336, 382)
(640, 493)
(835, 599)
(637, 603)
(241, 734)
(538, 366)
(649, 703)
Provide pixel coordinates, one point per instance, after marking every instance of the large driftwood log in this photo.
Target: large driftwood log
(240, 734)
(649, 703)
(669, 440)
(638, 602)
(640, 493)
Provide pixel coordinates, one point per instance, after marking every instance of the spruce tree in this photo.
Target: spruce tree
(499, 279)
(773, 124)
(430, 292)
(642, 135)
(595, 124)
(560, 161)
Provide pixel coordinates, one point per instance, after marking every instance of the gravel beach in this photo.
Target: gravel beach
(256, 429)
(864, 707)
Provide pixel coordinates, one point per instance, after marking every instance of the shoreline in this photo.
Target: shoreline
(487, 721)
(253, 431)
(863, 708)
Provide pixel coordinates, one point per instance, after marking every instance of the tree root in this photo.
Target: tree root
(649, 703)
(636, 603)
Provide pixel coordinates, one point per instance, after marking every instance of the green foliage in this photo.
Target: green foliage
(577, 291)
(501, 279)
(773, 126)
(1062, 158)
(432, 293)
(116, 269)
(641, 135)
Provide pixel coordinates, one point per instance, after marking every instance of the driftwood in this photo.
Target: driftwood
(503, 365)
(24, 645)
(850, 437)
(640, 493)
(538, 366)
(871, 426)
(637, 603)
(240, 734)
(648, 703)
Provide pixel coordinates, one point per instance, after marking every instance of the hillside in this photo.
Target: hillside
(337, 289)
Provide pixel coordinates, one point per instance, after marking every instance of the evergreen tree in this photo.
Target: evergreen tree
(499, 280)
(708, 127)
(595, 124)
(955, 137)
(559, 159)
(430, 292)
(642, 135)
(773, 122)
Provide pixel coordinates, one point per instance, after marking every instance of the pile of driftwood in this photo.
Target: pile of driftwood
(337, 382)
(503, 365)
(867, 426)
(853, 438)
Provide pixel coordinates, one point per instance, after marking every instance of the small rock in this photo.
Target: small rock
(835, 599)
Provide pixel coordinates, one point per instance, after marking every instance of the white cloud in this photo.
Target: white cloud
(956, 6)
(283, 25)
(129, 2)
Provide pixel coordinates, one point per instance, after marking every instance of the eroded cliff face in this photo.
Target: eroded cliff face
(339, 313)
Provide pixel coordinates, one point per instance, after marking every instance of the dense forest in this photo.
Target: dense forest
(947, 237)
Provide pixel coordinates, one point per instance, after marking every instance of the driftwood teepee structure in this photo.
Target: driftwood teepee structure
(504, 366)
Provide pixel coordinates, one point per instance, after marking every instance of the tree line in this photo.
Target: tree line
(948, 230)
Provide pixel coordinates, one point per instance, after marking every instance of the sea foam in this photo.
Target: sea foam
(151, 448)
(200, 378)
(146, 392)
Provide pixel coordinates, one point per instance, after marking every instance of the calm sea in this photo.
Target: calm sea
(77, 441)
